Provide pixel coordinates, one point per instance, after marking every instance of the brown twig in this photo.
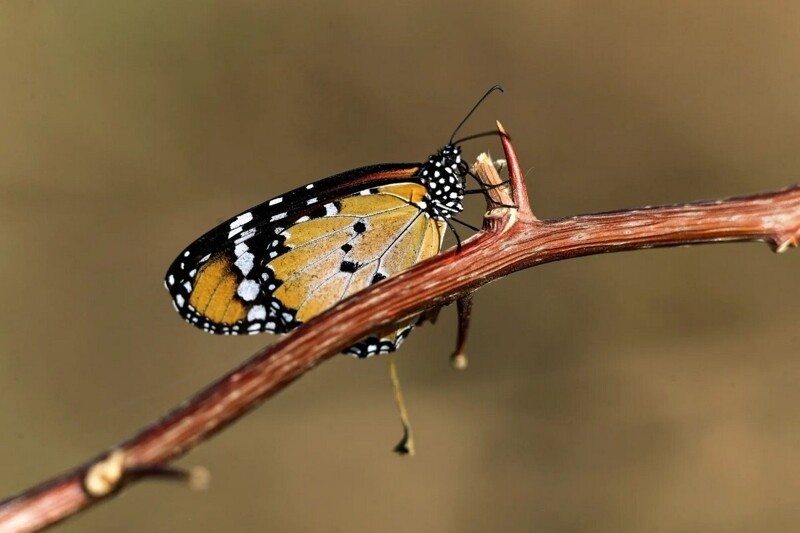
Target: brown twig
(510, 241)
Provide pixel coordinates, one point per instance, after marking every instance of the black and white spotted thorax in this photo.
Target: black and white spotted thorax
(444, 178)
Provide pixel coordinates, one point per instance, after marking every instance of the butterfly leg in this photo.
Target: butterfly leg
(494, 203)
(459, 358)
(500, 204)
(470, 226)
(487, 187)
(458, 238)
(484, 185)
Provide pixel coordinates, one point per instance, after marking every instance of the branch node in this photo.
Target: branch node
(104, 477)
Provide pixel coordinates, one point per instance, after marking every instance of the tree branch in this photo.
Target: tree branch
(511, 240)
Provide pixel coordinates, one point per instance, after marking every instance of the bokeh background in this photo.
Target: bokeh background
(648, 391)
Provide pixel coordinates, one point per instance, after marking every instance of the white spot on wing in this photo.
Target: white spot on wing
(277, 217)
(258, 312)
(242, 219)
(245, 263)
(245, 235)
(179, 301)
(248, 290)
(276, 201)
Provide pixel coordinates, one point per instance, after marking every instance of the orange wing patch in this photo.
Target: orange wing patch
(306, 232)
(214, 292)
(314, 248)
(301, 284)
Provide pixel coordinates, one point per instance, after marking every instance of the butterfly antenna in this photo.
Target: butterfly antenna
(490, 91)
(475, 136)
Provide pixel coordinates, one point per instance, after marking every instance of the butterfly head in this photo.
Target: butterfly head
(444, 174)
(444, 178)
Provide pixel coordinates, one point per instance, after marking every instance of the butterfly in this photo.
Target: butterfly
(281, 263)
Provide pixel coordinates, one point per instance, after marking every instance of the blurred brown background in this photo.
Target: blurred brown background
(648, 391)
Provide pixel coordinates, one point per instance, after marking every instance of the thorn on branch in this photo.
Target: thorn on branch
(196, 478)
(784, 242)
(459, 359)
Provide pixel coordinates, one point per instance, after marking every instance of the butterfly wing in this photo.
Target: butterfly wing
(291, 258)
(365, 238)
